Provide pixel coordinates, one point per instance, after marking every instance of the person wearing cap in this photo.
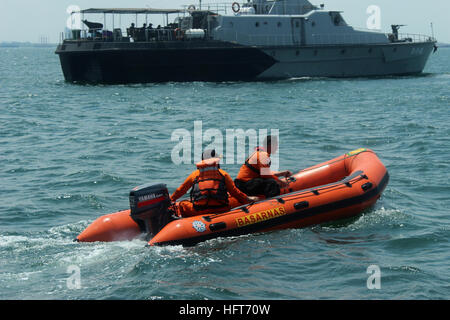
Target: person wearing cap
(255, 177)
(209, 186)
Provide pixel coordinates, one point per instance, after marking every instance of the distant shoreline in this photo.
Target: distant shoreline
(26, 44)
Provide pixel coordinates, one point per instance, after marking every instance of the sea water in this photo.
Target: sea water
(70, 153)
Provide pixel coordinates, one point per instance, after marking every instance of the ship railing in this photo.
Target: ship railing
(411, 37)
(117, 35)
(243, 6)
(220, 7)
(401, 37)
(223, 8)
(367, 38)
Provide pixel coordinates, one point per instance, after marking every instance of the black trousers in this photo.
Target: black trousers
(259, 186)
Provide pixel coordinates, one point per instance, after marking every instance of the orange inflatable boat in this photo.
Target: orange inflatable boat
(340, 188)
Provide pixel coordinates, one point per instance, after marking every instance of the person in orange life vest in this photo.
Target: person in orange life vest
(209, 189)
(256, 178)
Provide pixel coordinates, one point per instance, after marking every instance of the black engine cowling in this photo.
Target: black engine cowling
(149, 207)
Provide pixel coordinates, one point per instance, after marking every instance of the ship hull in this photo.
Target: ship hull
(141, 63)
(113, 63)
(349, 60)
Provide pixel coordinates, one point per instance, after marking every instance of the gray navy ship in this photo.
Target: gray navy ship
(256, 40)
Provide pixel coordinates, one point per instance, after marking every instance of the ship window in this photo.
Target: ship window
(297, 24)
(257, 24)
(279, 24)
(265, 22)
(297, 52)
(337, 19)
(313, 23)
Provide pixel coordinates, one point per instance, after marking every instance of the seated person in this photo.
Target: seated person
(255, 177)
(210, 186)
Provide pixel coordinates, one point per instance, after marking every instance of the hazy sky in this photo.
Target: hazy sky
(28, 20)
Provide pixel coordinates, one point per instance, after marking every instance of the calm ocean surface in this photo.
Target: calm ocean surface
(71, 153)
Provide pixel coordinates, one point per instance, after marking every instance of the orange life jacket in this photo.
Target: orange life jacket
(247, 162)
(209, 189)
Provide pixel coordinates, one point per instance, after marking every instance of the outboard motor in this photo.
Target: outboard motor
(149, 207)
